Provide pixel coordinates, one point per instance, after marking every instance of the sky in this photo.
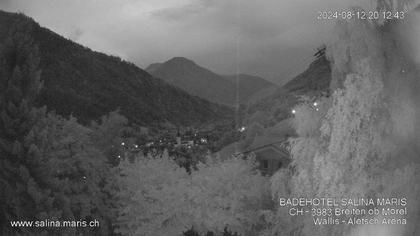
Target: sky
(274, 39)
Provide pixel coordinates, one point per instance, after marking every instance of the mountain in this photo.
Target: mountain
(199, 81)
(250, 86)
(276, 105)
(270, 120)
(89, 84)
(153, 67)
(316, 78)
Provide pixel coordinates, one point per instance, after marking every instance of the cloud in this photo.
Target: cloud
(75, 34)
(269, 36)
(177, 13)
(4, 3)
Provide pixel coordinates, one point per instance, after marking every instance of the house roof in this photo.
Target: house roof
(274, 140)
(271, 153)
(269, 147)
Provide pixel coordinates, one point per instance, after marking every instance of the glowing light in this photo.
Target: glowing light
(317, 109)
(315, 104)
(123, 143)
(136, 146)
(119, 156)
(293, 111)
(242, 129)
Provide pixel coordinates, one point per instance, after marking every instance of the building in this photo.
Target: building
(271, 155)
(184, 141)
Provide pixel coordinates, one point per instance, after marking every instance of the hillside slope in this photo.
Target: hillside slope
(187, 75)
(314, 81)
(250, 86)
(270, 119)
(316, 78)
(89, 84)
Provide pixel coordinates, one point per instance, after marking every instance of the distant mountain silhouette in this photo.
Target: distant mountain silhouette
(250, 86)
(202, 82)
(90, 84)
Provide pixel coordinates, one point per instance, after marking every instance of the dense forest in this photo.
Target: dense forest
(89, 84)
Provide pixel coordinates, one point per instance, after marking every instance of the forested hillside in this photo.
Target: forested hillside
(316, 78)
(277, 106)
(89, 84)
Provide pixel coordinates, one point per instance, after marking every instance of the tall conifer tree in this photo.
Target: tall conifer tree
(19, 86)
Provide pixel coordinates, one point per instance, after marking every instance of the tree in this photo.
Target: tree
(228, 194)
(19, 85)
(360, 147)
(153, 198)
(108, 135)
(49, 165)
(73, 171)
(159, 197)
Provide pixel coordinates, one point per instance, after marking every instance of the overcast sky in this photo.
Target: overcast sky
(270, 38)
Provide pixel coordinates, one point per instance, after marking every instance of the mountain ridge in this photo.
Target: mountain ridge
(89, 84)
(200, 81)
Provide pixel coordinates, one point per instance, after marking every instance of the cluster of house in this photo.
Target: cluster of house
(170, 142)
(271, 151)
(190, 139)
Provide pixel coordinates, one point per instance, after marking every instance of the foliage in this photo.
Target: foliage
(51, 167)
(228, 193)
(71, 169)
(161, 198)
(152, 199)
(108, 136)
(357, 148)
(19, 85)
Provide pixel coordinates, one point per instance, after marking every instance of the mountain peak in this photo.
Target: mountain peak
(180, 61)
(153, 67)
(202, 82)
